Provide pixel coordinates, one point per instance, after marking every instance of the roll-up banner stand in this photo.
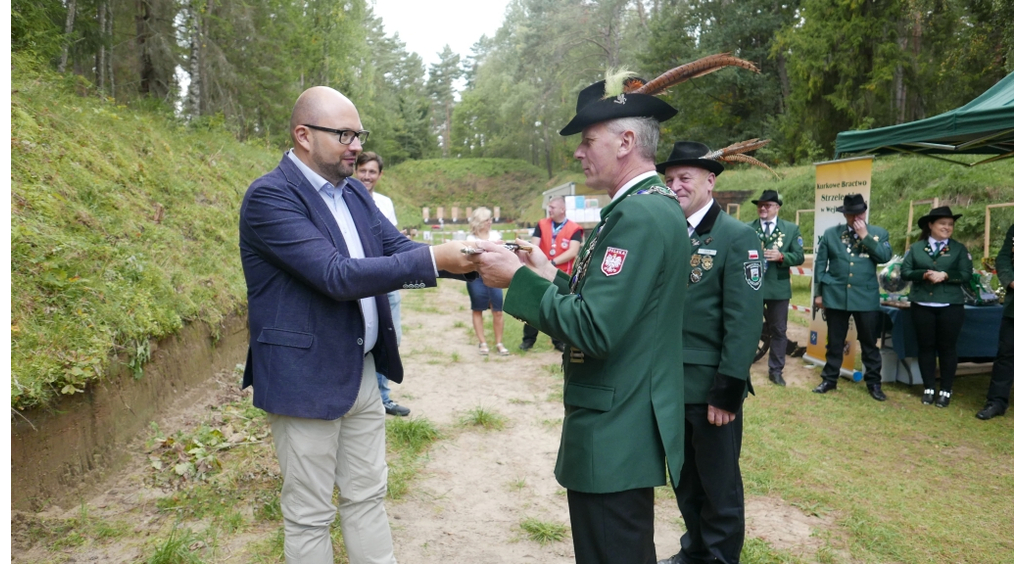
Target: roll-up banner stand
(833, 181)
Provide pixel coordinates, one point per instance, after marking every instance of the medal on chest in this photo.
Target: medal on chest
(695, 275)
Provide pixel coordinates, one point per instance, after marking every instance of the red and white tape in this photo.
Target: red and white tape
(800, 308)
(800, 271)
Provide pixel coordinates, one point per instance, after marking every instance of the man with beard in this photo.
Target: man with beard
(318, 259)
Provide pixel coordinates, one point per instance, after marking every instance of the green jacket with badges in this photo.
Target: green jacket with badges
(786, 239)
(953, 259)
(623, 327)
(845, 268)
(1004, 269)
(723, 310)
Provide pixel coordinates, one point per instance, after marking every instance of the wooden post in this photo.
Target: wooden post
(497, 213)
(426, 215)
(469, 213)
(440, 213)
(455, 214)
(988, 223)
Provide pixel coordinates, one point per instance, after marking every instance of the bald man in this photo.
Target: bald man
(318, 259)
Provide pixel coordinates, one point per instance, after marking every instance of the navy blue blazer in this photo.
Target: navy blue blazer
(305, 326)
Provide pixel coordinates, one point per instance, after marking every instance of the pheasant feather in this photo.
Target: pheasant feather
(682, 73)
(741, 147)
(747, 159)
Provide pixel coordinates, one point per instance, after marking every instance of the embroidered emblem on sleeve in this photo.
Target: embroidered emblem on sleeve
(752, 273)
(752, 255)
(613, 260)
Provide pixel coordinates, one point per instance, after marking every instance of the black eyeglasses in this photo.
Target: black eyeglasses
(345, 136)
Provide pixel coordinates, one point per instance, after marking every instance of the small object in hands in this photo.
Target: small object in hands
(510, 246)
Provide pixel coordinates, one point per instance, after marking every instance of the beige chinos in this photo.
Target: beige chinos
(315, 455)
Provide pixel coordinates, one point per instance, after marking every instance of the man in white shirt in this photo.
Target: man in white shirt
(369, 168)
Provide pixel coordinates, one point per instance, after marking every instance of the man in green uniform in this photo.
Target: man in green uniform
(723, 306)
(846, 284)
(620, 315)
(999, 387)
(783, 247)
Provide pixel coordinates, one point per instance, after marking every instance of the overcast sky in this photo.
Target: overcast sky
(427, 25)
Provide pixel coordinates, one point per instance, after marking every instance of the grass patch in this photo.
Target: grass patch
(177, 548)
(407, 440)
(516, 485)
(543, 532)
(881, 469)
(480, 417)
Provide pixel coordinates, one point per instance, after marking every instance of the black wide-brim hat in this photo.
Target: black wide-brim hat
(853, 204)
(690, 153)
(592, 107)
(768, 196)
(937, 213)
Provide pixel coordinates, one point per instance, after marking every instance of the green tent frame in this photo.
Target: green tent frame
(984, 126)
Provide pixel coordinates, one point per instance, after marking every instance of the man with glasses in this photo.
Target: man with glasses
(783, 247)
(318, 259)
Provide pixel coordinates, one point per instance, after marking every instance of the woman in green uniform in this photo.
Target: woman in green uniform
(937, 265)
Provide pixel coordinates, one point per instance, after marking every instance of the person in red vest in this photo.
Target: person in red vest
(560, 239)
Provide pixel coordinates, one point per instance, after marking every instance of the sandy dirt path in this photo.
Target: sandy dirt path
(475, 487)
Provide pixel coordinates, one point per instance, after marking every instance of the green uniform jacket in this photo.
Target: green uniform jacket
(1004, 269)
(623, 327)
(845, 269)
(785, 238)
(723, 310)
(953, 260)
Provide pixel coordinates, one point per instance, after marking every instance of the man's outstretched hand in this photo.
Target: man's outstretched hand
(449, 257)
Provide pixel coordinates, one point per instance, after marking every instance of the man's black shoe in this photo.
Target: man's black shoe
(943, 399)
(777, 379)
(559, 346)
(395, 409)
(928, 397)
(824, 387)
(876, 392)
(991, 409)
(676, 559)
(525, 346)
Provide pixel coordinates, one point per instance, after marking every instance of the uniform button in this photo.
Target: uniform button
(849, 285)
(851, 274)
(851, 264)
(359, 341)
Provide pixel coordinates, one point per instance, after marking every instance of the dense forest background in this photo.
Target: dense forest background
(826, 66)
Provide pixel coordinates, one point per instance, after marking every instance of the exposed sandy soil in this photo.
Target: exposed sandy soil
(474, 490)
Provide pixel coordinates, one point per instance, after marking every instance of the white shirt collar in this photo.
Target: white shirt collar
(315, 179)
(933, 240)
(698, 216)
(633, 182)
(774, 221)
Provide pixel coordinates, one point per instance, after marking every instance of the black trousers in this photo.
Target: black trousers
(710, 490)
(530, 335)
(1002, 369)
(613, 528)
(776, 315)
(868, 326)
(937, 330)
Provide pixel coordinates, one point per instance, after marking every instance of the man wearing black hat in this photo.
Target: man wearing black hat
(620, 314)
(723, 304)
(846, 284)
(783, 247)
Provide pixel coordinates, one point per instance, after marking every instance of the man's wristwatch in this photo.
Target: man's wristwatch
(553, 262)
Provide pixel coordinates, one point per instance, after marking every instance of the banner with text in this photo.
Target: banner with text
(834, 180)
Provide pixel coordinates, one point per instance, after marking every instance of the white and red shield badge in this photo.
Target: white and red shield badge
(613, 260)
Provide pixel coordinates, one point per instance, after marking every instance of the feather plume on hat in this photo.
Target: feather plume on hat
(734, 154)
(623, 81)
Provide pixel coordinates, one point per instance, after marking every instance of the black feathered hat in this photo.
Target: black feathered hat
(690, 153)
(768, 196)
(853, 204)
(592, 106)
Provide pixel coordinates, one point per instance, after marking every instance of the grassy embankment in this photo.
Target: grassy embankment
(123, 228)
